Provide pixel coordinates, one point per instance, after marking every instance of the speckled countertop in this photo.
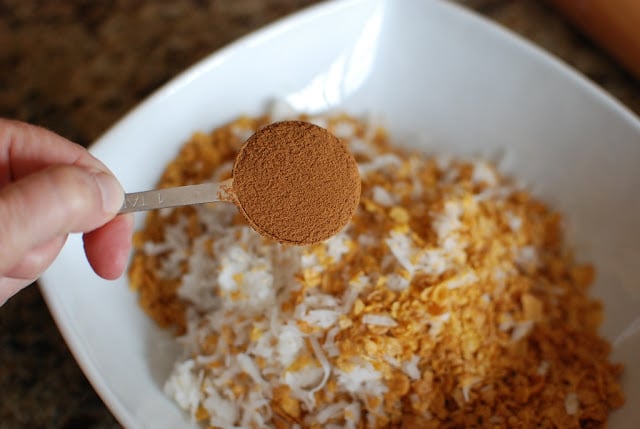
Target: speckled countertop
(77, 66)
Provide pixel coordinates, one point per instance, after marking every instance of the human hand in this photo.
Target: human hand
(50, 187)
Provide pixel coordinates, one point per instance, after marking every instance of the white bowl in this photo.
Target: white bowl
(438, 77)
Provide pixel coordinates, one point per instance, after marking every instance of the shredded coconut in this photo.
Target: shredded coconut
(379, 320)
(571, 403)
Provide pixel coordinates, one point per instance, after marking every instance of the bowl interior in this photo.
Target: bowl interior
(441, 80)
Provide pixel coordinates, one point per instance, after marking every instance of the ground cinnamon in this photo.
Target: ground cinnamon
(296, 183)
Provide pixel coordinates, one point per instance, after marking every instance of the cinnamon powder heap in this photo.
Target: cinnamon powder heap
(296, 183)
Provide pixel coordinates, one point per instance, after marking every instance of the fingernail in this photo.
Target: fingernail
(111, 191)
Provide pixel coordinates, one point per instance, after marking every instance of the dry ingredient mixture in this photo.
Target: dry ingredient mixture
(450, 300)
(296, 183)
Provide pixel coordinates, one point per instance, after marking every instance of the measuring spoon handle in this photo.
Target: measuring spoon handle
(177, 196)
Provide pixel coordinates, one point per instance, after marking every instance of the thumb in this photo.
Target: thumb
(54, 202)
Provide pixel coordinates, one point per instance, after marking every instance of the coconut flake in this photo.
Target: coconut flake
(290, 342)
(410, 367)
(396, 282)
(332, 411)
(343, 130)
(360, 147)
(330, 346)
(321, 318)
(324, 362)
(464, 279)
(383, 197)
(467, 386)
(571, 403)
(362, 379)
(379, 163)
(527, 258)
(337, 246)
(250, 368)
(183, 385)
(521, 330)
(448, 220)
(379, 320)
(483, 173)
(514, 221)
(401, 247)
(543, 368)
(352, 413)
(223, 412)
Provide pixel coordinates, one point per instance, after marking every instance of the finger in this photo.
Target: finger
(108, 247)
(25, 149)
(37, 260)
(9, 287)
(51, 203)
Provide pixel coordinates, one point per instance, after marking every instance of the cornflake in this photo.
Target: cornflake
(450, 300)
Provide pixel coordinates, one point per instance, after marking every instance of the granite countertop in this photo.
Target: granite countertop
(78, 66)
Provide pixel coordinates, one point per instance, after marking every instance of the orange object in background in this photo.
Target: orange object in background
(613, 24)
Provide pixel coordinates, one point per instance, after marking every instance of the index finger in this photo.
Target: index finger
(25, 149)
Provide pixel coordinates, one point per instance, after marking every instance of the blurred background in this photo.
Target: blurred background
(77, 66)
